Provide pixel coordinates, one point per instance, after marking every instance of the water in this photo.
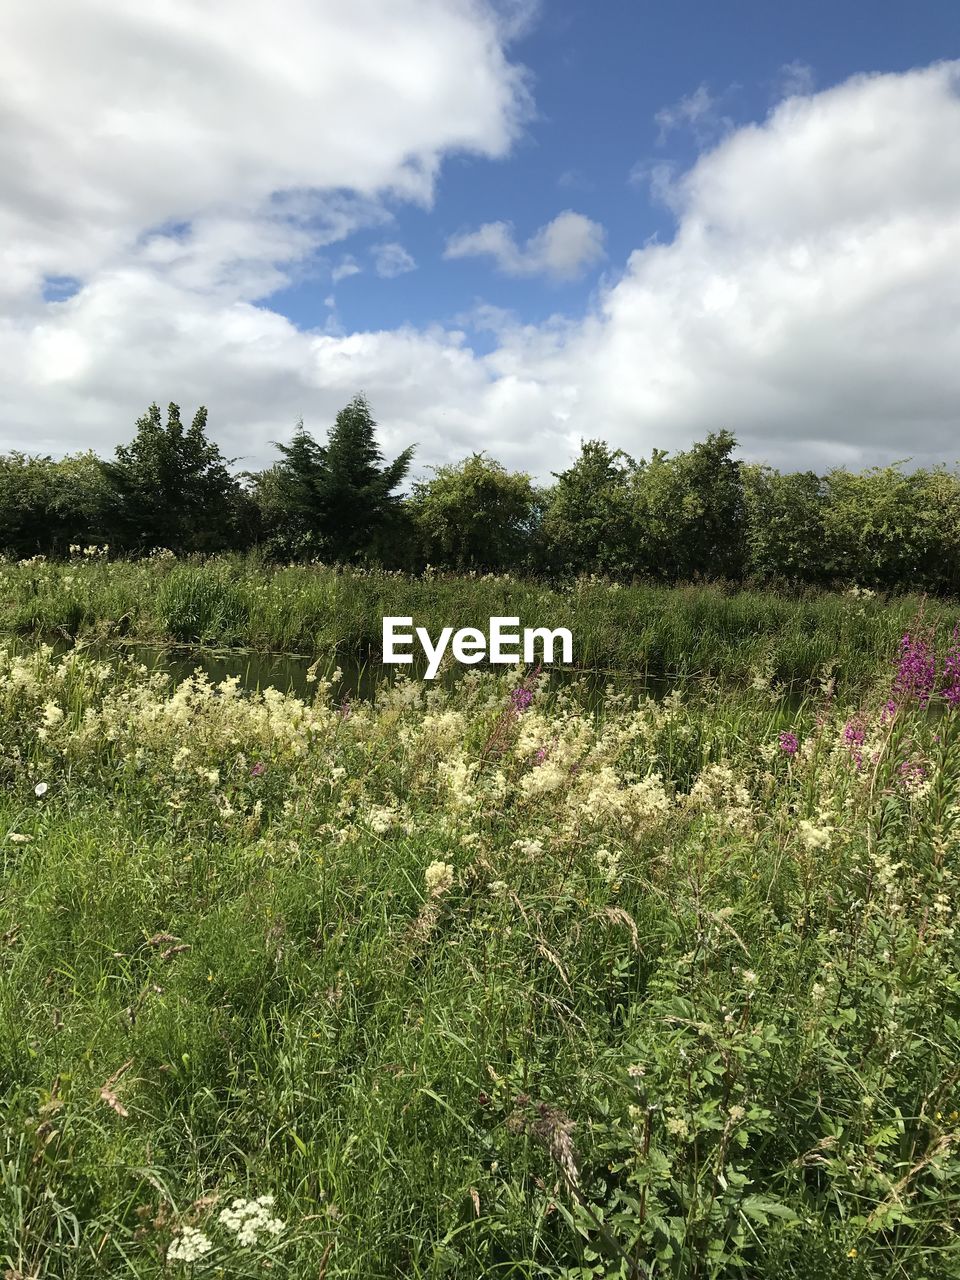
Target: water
(359, 680)
(288, 672)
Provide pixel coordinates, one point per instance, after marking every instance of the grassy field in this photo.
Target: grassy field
(475, 982)
(318, 611)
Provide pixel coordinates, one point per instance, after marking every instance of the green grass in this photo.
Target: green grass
(673, 1004)
(318, 611)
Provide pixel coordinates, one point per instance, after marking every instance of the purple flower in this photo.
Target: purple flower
(911, 773)
(789, 744)
(916, 672)
(854, 735)
(521, 698)
(540, 756)
(258, 769)
(951, 672)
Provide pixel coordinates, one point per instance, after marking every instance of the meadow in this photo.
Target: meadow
(484, 980)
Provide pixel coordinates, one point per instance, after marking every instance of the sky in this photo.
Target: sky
(512, 225)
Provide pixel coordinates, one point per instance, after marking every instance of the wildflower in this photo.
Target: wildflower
(951, 672)
(677, 1126)
(40, 789)
(438, 878)
(915, 674)
(854, 735)
(15, 837)
(52, 715)
(608, 864)
(789, 744)
(813, 837)
(911, 775)
(520, 699)
(736, 1113)
(529, 848)
(189, 1245)
(251, 1219)
(258, 769)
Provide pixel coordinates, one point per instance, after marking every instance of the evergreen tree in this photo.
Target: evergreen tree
(339, 497)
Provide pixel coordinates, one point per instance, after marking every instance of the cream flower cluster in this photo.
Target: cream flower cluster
(251, 1220)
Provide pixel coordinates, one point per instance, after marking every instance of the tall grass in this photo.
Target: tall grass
(473, 987)
(319, 611)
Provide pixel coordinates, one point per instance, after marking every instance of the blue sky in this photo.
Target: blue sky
(602, 75)
(514, 225)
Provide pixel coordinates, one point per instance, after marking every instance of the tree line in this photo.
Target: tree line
(695, 514)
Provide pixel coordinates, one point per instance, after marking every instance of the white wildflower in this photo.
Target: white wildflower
(813, 837)
(529, 848)
(189, 1245)
(438, 878)
(608, 864)
(250, 1220)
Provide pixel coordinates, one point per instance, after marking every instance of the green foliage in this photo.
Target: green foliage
(784, 525)
(689, 512)
(699, 514)
(588, 521)
(170, 487)
(672, 518)
(337, 499)
(46, 505)
(637, 631)
(885, 527)
(474, 515)
(665, 1001)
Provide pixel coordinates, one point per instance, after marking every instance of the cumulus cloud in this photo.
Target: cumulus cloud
(561, 250)
(119, 118)
(807, 300)
(392, 259)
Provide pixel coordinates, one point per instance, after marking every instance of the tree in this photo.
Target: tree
(884, 528)
(45, 505)
(337, 499)
(171, 487)
(474, 514)
(588, 521)
(784, 517)
(689, 512)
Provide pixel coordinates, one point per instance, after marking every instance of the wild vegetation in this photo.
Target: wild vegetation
(698, 514)
(632, 631)
(476, 981)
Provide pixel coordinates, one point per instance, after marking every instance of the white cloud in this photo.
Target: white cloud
(807, 301)
(795, 79)
(699, 112)
(391, 259)
(562, 250)
(119, 118)
(346, 267)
